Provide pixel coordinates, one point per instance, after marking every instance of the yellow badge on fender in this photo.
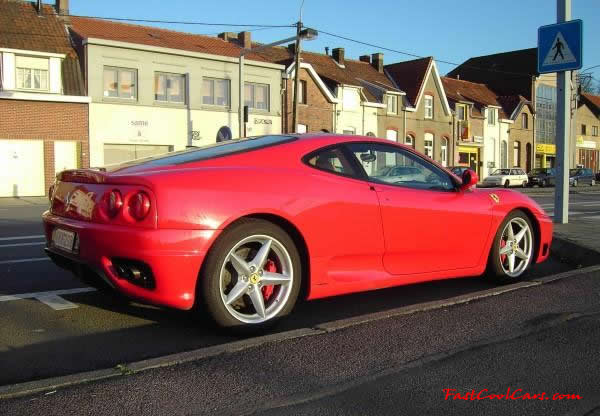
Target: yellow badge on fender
(495, 197)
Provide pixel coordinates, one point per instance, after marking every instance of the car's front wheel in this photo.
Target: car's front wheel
(252, 276)
(513, 248)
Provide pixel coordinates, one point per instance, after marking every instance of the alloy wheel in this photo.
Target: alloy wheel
(516, 247)
(255, 280)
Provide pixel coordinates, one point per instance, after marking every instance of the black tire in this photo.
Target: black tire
(524, 184)
(210, 276)
(507, 184)
(494, 271)
(543, 184)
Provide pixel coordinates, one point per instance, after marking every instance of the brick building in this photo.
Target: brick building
(428, 125)
(43, 108)
(587, 131)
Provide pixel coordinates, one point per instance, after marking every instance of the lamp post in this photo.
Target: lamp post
(306, 34)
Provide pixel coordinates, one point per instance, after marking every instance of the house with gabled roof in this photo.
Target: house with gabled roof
(587, 131)
(521, 142)
(486, 127)
(43, 107)
(428, 126)
(156, 90)
(340, 95)
(514, 73)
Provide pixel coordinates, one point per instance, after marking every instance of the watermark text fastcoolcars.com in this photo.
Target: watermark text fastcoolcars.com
(511, 394)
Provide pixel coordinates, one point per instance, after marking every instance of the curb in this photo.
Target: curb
(570, 252)
(50, 385)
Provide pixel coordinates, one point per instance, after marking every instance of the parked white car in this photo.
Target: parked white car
(507, 177)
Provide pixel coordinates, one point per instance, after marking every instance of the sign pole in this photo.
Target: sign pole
(563, 129)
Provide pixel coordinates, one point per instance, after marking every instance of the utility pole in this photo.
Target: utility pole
(563, 129)
(296, 78)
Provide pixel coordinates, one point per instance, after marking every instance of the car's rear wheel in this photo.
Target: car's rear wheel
(513, 248)
(507, 184)
(251, 278)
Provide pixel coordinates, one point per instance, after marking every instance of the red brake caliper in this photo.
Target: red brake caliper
(268, 290)
(502, 256)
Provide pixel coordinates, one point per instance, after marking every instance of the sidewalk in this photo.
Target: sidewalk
(23, 201)
(577, 242)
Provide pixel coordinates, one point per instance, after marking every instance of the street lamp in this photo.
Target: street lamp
(306, 34)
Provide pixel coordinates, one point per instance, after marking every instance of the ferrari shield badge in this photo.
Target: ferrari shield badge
(495, 198)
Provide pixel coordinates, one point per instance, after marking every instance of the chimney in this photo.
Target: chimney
(62, 7)
(245, 39)
(40, 10)
(338, 55)
(227, 36)
(377, 61)
(291, 48)
(327, 50)
(365, 58)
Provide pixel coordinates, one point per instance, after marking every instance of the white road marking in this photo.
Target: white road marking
(50, 298)
(22, 237)
(56, 302)
(25, 260)
(23, 244)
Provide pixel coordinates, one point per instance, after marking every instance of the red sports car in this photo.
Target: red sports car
(246, 227)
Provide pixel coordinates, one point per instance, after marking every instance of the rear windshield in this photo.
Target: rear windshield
(208, 152)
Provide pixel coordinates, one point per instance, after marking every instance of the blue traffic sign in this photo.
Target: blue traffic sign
(560, 47)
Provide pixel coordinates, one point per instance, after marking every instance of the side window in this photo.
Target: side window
(394, 166)
(332, 160)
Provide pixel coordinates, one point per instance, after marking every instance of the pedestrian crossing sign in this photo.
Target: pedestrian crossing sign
(560, 47)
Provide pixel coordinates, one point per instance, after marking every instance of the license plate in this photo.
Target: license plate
(63, 239)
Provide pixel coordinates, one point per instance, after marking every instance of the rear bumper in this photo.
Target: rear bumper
(173, 256)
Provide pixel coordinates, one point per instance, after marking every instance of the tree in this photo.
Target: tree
(588, 84)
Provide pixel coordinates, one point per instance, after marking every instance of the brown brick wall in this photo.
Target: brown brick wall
(317, 113)
(47, 121)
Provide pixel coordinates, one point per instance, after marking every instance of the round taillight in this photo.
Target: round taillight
(114, 203)
(139, 205)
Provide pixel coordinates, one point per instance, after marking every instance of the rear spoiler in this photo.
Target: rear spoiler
(82, 176)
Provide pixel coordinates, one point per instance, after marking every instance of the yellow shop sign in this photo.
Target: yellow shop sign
(546, 148)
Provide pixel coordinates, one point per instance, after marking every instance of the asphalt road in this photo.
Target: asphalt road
(541, 339)
(47, 334)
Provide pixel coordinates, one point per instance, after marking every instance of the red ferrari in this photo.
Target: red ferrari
(247, 227)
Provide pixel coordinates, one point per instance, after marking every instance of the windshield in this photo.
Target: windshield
(540, 171)
(501, 172)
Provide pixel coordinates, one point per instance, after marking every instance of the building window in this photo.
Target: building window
(504, 154)
(583, 129)
(302, 92)
(257, 96)
(120, 83)
(428, 145)
(32, 79)
(428, 106)
(392, 104)
(491, 116)
(524, 121)
(594, 130)
(444, 151)
(409, 141)
(215, 92)
(169, 88)
(461, 112)
(517, 153)
(545, 119)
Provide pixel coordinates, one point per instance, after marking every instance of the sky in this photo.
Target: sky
(450, 31)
